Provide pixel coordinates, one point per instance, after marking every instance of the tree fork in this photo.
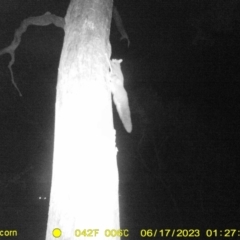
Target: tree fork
(84, 191)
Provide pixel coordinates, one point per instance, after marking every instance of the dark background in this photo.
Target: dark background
(179, 167)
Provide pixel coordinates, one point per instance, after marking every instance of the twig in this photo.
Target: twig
(43, 20)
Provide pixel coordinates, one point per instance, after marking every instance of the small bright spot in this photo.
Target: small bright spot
(56, 232)
(42, 198)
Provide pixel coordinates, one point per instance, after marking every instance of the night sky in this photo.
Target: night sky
(179, 168)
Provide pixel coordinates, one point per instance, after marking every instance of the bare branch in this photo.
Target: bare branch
(42, 20)
(118, 21)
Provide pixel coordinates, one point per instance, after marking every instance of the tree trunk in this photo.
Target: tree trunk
(84, 191)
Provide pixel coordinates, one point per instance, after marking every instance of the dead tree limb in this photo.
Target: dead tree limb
(119, 23)
(42, 20)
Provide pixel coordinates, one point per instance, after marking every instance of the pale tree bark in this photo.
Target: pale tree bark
(84, 192)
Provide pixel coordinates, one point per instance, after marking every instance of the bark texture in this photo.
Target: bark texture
(84, 192)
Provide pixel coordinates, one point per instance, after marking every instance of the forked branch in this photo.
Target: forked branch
(42, 20)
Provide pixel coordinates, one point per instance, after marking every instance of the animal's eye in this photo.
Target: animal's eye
(42, 198)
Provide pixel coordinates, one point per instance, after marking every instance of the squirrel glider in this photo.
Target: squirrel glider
(120, 97)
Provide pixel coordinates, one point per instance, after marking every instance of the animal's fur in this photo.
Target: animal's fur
(120, 97)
